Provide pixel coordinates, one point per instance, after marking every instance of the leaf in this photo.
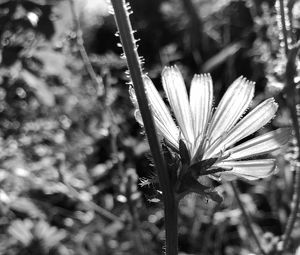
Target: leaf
(21, 231)
(50, 235)
(41, 89)
(54, 63)
(24, 205)
(221, 57)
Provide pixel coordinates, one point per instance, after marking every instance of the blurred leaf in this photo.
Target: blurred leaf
(54, 63)
(51, 236)
(28, 232)
(21, 231)
(221, 57)
(44, 94)
(25, 206)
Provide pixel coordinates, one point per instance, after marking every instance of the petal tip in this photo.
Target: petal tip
(273, 104)
(171, 71)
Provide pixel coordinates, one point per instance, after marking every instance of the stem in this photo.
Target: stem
(99, 87)
(137, 233)
(293, 216)
(291, 102)
(171, 223)
(283, 24)
(130, 50)
(196, 31)
(80, 43)
(248, 220)
(88, 203)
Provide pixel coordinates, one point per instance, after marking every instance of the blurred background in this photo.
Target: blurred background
(74, 163)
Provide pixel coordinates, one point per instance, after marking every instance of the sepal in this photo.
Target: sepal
(201, 167)
(184, 153)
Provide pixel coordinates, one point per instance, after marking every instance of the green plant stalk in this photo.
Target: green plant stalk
(248, 220)
(291, 102)
(85, 58)
(291, 93)
(130, 49)
(294, 211)
(99, 87)
(283, 24)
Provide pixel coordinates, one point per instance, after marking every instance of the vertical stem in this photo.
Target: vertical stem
(293, 216)
(291, 92)
(80, 43)
(283, 24)
(291, 102)
(248, 220)
(130, 50)
(98, 86)
(171, 224)
(196, 33)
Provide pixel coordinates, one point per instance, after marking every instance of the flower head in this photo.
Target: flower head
(210, 136)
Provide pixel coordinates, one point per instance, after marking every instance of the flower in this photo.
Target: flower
(211, 135)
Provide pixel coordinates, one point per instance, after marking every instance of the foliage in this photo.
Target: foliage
(72, 155)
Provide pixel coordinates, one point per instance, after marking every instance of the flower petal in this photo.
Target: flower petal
(201, 99)
(133, 98)
(232, 106)
(250, 169)
(162, 116)
(253, 121)
(138, 117)
(170, 137)
(260, 145)
(176, 92)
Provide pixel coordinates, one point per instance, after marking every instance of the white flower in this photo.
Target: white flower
(210, 134)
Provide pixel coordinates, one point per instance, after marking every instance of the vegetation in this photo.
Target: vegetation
(76, 172)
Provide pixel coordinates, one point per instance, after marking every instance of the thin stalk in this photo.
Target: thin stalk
(291, 102)
(130, 49)
(291, 95)
(99, 88)
(98, 84)
(196, 33)
(80, 43)
(88, 203)
(137, 233)
(294, 211)
(248, 220)
(283, 26)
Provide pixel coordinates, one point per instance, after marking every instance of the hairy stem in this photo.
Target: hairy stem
(130, 49)
(248, 220)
